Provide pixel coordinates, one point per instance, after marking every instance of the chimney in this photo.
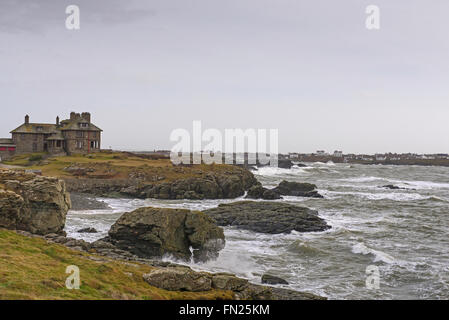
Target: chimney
(57, 121)
(86, 116)
(72, 115)
(27, 119)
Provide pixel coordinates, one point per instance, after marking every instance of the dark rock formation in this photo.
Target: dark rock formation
(87, 230)
(220, 185)
(259, 192)
(153, 232)
(267, 217)
(185, 279)
(393, 187)
(297, 189)
(285, 163)
(179, 279)
(269, 279)
(32, 203)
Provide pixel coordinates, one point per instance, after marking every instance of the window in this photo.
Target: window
(84, 125)
(34, 147)
(58, 143)
(79, 144)
(39, 129)
(12, 149)
(80, 134)
(94, 135)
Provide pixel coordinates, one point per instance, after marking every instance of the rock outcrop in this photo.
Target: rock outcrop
(269, 279)
(259, 192)
(267, 217)
(154, 232)
(32, 203)
(297, 189)
(211, 185)
(185, 279)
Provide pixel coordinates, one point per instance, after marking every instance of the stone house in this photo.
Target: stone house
(77, 135)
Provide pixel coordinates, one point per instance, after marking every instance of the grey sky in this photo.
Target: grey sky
(309, 68)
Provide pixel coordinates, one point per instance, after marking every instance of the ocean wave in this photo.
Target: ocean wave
(274, 171)
(408, 184)
(361, 248)
(394, 196)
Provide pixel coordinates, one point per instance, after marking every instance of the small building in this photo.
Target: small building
(7, 149)
(338, 154)
(76, 135)
(380, 157)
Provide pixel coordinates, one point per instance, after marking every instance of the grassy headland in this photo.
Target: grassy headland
(32, 268)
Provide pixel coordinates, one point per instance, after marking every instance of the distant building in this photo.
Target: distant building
(338, 154)
(380, 157)
(77, 135)
(321, 153)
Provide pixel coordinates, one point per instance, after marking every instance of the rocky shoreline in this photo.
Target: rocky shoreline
(37, 206)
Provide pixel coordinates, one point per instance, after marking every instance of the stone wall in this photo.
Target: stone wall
(28, 142)
(73, 138)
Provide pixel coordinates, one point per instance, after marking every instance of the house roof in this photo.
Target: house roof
(6, 141)
(75, 125)
(56, 136)
(47, 128)
(33, 128)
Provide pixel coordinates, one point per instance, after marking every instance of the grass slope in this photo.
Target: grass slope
(32, 268)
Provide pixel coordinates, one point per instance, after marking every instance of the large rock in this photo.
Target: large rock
(267, 217)
(32, 203)
(224, 184)
(297, 189)
(153, 232)
(259, 192)
(211, 186)
(179, 279)
(185, 279)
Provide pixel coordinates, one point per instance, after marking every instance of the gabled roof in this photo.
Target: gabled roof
(6, 142)
(33, 128)
(75, 125)
(56, 136)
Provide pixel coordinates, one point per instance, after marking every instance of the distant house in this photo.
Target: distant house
(7, 148)
(77, 135)
(321, 153)
(338, 154)
(380, 157)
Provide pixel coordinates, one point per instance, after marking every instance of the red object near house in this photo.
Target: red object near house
(12, 149)
(2, 148)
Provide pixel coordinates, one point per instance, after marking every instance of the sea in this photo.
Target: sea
(383, 244)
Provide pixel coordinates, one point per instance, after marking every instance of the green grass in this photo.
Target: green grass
(31, 268)
(116, 165)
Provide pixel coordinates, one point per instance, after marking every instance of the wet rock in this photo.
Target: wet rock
(269, 279)
(297, 189)
(32, 203)
(153, 232)
(267, 217)
(285, 163)
(179, 279)
(228, 282)
(87, 230)
(259, 192)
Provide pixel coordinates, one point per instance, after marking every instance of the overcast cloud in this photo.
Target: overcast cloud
(309, 68)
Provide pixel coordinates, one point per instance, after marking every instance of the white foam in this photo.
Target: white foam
(361, 248)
